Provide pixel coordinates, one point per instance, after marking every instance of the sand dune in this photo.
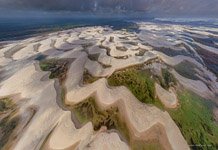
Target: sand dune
(101, 51)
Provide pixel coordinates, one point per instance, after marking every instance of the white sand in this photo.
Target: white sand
(52, 128)
(168, 98)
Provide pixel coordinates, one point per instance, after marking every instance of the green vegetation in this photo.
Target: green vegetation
(5, 104)
(187, 69)
(57, 67)
(195, 120)
(194, 116)
(138, 82)
(88, 111)
(88, 79)
(7, 123)
(167, 80)
(7, 126)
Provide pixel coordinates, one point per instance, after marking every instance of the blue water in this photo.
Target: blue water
(206, 22)
(20, 28)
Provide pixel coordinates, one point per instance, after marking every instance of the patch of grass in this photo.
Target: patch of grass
(138, 82)
(187, 69)
(88, 111)
(195, 120)
(5, 104)
(7, 122)
(57, 67)
(63, 94)
(167, 80)
(87, 78)
(7, 126)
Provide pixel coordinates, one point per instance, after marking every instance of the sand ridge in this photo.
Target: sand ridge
(101, 51)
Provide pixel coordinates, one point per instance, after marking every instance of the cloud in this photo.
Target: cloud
(149, 6)
(58, 4)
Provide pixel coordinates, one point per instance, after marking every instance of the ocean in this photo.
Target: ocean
(21, 28)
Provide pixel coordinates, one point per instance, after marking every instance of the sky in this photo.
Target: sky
(151, 7)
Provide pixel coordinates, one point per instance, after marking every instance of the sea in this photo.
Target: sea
(13, 28)
(21, 28)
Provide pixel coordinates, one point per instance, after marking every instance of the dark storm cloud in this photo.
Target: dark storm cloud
(150, 6)
(67, 4)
